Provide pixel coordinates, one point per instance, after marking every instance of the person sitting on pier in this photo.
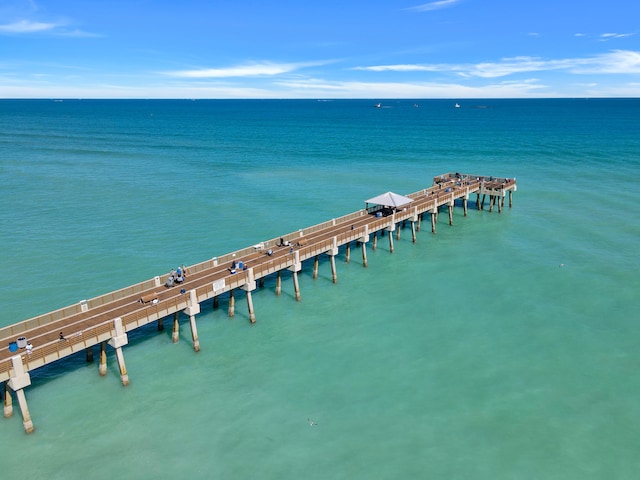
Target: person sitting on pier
(184, 271)
(232, 268)
(170, 281)
(179, 276)
(283, 243)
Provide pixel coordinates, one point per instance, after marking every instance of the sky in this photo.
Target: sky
(319, 49)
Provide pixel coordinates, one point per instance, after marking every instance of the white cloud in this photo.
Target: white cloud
(402, 68)
(320, 88)
(427, 7)
(615, 62)
(26, 26)
(312, 88)
(608, 36)
(247, 70)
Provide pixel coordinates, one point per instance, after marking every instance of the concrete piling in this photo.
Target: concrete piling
(252, 315)
(279, 282)
(118, 341)
(334, 273)
(296, 286)
(8, 402)
(194, 333)
(364, 254)
(232, 304)
(175, 334)
(103, 359)
(192, 310)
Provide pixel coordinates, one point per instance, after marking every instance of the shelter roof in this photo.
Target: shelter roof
(390, 199)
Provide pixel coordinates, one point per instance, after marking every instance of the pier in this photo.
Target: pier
(104, 321)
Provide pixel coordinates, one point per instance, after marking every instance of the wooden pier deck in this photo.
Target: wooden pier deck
(107, 318)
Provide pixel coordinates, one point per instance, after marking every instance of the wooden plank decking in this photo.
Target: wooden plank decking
(89, 323)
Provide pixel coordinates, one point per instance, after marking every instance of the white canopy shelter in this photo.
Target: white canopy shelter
(390, 199)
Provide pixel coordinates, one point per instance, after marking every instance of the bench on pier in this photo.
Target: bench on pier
(149, 297)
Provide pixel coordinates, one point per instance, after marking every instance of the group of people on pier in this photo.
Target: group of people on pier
(176, 276)
(237, 265)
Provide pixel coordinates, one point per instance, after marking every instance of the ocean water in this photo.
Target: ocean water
(503, 347)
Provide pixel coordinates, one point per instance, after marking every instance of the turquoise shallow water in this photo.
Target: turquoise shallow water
(470, 354)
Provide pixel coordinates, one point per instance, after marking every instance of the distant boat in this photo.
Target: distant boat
(457, 105)
(415, 105)
(378, 105)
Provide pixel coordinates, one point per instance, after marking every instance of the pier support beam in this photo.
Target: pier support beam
(216, 302)
(450, 207)
(295, 268)
(124, 376)
(434, 212)
(296, 286)
(316, 263)
(492, 199)
(252, 315)
(348, 253)
(363, 240)
(375, 241)
(390, 242)
(364, 254)
(500, 203)
(478, 201)
(17, 383)
(510, 198)
(175, 334)
(89, 353)
(279, 282)
(194, 333)
(332, 252)
(103, 359)
(334, 273)
(248, 288)
(161, 324)
(413, 232)
(192, 310)
(8, 402)
(232, 304)
(118, 341)
(465, 201)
